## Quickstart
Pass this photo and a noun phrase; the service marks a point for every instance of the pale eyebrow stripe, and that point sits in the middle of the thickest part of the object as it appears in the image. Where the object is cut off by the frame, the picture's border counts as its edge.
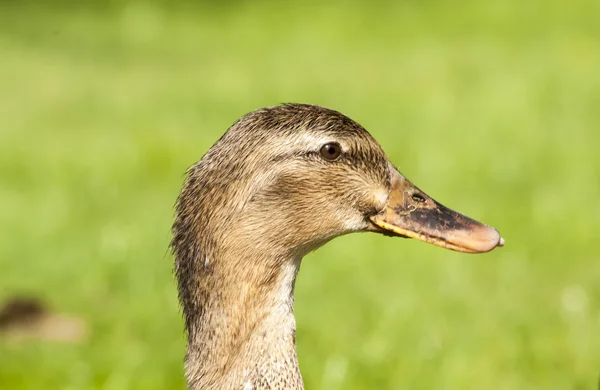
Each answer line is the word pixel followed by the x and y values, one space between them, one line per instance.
pixel 308 144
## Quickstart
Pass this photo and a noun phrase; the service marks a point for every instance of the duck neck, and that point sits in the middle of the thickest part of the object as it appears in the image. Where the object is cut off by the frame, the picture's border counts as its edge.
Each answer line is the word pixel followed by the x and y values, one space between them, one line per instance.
pixel 242 335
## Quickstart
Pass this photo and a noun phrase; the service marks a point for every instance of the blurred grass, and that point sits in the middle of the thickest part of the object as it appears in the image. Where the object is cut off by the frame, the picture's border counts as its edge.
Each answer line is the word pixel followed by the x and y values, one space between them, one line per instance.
pixel 490 107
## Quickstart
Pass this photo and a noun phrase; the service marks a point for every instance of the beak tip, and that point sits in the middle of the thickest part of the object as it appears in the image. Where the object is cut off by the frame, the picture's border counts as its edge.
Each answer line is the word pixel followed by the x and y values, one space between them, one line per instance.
pixel 484 239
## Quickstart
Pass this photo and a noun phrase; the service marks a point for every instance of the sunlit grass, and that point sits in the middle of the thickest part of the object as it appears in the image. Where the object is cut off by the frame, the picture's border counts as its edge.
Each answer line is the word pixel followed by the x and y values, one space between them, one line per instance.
pixel 492 109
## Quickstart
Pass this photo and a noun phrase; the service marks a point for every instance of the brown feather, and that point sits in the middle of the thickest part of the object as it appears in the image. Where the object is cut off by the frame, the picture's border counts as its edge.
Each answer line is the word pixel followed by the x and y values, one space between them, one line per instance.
pixel 259 200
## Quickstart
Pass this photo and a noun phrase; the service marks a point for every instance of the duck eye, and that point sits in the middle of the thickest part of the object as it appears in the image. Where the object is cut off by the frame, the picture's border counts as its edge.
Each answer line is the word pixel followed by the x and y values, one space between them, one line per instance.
pixel 331 151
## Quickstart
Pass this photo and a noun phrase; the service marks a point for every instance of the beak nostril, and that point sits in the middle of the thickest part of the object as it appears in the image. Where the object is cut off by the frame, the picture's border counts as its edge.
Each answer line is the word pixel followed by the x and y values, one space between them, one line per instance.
pixel 418 198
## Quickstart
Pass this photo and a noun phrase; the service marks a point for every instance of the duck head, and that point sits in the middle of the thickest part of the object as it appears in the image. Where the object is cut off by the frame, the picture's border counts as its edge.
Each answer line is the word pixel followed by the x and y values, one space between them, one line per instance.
pixel 294 176
pixel 284 180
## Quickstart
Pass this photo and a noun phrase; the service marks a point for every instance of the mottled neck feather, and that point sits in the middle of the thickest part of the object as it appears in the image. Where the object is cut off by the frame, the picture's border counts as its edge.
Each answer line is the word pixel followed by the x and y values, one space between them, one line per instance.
pixel 244 335
pixel 236 274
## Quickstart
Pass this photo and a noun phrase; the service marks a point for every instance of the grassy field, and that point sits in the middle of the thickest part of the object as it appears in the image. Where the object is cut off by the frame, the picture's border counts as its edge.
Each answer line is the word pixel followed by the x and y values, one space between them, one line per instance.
pixel 493 108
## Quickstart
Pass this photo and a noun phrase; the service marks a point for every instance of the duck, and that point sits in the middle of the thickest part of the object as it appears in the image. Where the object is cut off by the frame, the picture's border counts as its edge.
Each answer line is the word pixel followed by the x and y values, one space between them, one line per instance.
pixel 281 182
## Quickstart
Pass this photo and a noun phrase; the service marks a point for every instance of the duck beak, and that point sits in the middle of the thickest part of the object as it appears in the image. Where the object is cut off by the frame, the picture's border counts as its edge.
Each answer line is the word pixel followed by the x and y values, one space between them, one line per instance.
pixel 413 214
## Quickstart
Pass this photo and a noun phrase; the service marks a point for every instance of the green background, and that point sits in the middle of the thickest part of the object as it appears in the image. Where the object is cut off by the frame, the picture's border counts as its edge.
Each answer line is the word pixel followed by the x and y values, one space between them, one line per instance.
pixel 491 107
